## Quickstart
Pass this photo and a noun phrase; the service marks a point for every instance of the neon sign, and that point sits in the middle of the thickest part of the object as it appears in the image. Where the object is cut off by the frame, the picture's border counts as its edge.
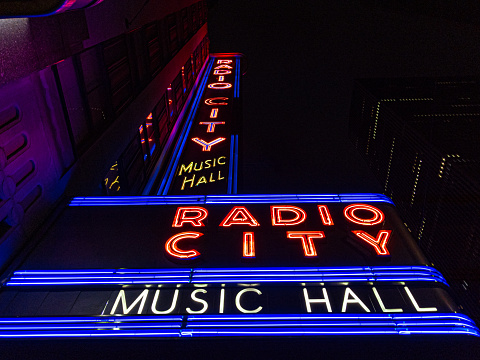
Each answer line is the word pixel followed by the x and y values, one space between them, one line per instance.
pixel 211 132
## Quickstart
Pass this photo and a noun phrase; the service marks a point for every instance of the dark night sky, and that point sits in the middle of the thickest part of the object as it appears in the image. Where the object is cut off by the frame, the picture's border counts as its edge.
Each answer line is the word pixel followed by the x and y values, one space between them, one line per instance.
pixel 303 58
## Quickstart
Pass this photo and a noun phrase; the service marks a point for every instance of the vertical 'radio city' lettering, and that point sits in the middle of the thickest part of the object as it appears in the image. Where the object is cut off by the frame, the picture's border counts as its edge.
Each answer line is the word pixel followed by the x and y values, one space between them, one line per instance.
pixel 214 101
pixel 211 125
pixel 222 72
pixel 213 113
pixel 223 67
pixel 219 86
pixel 207 146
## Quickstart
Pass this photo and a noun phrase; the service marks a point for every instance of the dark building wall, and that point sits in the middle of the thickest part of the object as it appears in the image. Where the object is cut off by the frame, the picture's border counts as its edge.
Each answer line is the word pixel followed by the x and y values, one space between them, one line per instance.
pixel 418 137
pixel 64 126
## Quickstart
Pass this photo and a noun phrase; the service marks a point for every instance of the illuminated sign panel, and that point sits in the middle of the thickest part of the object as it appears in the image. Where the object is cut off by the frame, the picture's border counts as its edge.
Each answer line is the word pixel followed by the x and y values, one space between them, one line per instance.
pixel 207 152
pixel 182 266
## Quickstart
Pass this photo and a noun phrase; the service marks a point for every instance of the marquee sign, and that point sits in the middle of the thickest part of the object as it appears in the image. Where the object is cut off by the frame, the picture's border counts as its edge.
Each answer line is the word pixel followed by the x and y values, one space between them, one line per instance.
pixel 183 266
pixel 206 155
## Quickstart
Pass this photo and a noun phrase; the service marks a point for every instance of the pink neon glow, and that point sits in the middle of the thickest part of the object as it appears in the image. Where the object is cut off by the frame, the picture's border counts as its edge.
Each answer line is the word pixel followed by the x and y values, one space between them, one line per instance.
pixel 207 146
pixel 379 243
pixel 191 214
pixel 377 218
pixel 66 5
pixel 224 61
pixel 239 215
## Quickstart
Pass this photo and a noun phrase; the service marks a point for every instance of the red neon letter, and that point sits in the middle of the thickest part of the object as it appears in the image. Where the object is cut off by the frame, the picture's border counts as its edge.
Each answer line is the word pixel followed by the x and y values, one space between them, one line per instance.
pixel 379 243
pixel 248 244
pixel 277 219
pixel 172 249
pixel 219 86
pixel 222 67
pixel 211 125
pixel 325 215
pixel 307 240
pixel 377 218
pixel 224 61
pixel 221 72
pixel 207 146
pixel 197 215
pixel 239 215
pixel 211 101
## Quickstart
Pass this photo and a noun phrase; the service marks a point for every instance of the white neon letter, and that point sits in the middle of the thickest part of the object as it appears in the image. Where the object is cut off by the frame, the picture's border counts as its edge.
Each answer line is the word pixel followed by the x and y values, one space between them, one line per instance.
pixel 355 300
pixel 172 307
pixel 382 306
pixel 325 300
pixel 121 297
pixel 194 298
pixel 237 301
pixel 222 301
pixel 414 302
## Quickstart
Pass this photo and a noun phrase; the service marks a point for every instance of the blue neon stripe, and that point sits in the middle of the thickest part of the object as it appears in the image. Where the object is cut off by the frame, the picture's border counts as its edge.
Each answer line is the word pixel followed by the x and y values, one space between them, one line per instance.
pixel 237 78
pixel 235 169
pixel 238 325
pixel 215 276
pixel 165 185
pixel 158 165
pixel 230 165
pixel 228 199
pixel 179 149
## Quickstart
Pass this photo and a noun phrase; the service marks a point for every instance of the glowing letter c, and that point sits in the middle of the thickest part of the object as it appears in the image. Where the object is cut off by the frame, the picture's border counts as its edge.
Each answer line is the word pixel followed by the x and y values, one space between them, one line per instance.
pixel 213 101
pixel 239 306
pixel 173 250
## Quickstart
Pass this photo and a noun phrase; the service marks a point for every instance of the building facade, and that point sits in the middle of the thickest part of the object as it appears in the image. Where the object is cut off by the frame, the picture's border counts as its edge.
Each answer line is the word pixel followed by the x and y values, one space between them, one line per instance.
pixel 91 106
pixel 122 218
pixel 419 138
